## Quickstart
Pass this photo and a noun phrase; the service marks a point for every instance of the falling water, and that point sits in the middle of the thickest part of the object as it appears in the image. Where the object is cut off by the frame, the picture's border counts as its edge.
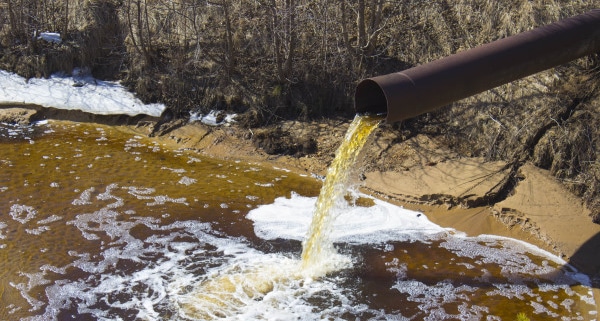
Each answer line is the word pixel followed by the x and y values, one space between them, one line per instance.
pixel 316 247
pixel 229 290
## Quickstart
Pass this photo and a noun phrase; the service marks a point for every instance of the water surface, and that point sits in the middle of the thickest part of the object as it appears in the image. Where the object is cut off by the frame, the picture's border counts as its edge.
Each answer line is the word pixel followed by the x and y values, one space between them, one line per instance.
pixel 101 224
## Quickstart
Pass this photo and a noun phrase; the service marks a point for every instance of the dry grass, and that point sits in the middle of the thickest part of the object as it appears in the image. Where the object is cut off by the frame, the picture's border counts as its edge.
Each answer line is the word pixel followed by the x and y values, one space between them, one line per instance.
pixel 428 30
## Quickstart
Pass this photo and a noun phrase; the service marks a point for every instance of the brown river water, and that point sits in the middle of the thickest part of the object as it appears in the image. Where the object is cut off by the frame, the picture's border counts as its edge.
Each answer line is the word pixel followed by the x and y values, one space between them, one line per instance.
pixel 98 223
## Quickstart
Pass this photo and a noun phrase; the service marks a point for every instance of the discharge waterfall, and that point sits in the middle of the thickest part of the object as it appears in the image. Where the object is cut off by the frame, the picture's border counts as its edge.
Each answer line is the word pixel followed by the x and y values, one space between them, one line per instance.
pixel 316 247
pixel 226 293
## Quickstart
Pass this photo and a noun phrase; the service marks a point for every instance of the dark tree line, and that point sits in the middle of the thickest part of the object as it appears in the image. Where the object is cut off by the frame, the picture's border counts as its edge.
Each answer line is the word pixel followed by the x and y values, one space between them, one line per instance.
pixel 278 58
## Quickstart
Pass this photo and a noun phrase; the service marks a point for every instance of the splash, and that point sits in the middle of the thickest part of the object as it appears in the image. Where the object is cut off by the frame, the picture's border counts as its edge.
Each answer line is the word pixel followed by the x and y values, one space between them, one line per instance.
pixel 237 289
pixel 225 293
pixel 317 249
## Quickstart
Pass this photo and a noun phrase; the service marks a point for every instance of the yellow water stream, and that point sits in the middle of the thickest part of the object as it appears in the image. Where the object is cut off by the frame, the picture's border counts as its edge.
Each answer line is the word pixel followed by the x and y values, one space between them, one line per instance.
pixel 228 291
pixel 316 247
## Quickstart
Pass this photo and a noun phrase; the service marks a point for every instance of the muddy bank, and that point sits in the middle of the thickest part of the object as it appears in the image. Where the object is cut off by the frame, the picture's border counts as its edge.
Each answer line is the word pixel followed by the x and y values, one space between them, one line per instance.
pixel 420 173
pixel 24 114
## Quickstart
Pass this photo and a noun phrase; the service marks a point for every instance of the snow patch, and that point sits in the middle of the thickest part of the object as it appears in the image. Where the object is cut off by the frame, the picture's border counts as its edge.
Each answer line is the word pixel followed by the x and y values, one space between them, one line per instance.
pixel 213 118
pixel 53 37
pixel 79 92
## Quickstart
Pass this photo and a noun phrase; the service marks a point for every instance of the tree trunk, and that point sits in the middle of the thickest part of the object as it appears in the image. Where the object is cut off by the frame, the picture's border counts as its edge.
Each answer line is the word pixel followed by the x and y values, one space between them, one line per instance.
pixel 140 33
pixel 66 22
pixel 130 26
pixel 276 41
pixel 360 20
pixel 291 37
pixel 229 46
pixel 13 23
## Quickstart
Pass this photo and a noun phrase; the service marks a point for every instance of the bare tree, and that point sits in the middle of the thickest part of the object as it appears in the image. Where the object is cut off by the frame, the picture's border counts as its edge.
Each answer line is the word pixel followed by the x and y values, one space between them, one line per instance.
pixel 230 52
pixel 65 23
pixel 284 35
pixel 139 30
pixel 369 25
pixel 15 24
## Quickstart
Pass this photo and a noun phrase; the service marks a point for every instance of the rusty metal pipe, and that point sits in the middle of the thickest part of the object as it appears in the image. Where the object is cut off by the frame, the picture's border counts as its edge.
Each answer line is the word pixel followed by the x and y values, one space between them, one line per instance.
pixel 424 88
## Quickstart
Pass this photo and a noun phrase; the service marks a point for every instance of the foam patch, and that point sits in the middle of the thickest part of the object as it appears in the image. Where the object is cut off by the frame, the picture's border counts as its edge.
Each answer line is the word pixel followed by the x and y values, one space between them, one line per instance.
pixel 289 218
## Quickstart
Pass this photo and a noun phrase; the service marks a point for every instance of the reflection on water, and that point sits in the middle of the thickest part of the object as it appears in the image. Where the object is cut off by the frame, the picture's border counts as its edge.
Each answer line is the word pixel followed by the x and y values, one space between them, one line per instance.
pixel 97 223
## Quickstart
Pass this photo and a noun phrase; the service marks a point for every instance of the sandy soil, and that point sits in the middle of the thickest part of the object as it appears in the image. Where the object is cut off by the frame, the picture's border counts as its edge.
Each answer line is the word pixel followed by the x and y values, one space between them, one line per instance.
pixel 419 174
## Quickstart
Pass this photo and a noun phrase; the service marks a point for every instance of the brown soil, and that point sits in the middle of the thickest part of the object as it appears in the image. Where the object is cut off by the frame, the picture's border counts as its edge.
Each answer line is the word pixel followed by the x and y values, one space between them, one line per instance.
pixel 468 194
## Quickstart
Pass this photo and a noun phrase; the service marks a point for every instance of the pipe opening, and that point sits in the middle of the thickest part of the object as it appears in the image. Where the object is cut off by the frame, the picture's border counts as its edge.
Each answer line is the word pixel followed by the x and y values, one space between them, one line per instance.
pixel 369 98
pixel 424 88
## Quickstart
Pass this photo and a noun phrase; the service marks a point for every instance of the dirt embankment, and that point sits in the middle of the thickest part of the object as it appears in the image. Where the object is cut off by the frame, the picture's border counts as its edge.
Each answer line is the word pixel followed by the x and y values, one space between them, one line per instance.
pixel 470 194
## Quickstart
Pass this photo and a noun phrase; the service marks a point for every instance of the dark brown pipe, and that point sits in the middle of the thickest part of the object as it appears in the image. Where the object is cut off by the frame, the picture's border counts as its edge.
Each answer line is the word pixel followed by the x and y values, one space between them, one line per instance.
pixel 424 88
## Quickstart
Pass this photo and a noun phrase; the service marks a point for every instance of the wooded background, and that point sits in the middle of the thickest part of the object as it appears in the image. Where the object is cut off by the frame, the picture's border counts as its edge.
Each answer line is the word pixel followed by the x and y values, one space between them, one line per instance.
pixel 283 58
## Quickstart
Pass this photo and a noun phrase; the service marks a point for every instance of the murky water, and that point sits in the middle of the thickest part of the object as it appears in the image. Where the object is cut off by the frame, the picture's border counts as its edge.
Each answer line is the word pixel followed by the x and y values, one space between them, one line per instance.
pixel 101 224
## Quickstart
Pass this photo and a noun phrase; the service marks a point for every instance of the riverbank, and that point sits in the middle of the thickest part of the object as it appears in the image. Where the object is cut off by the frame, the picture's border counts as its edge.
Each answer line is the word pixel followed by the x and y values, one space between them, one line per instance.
pixel 452 190
pixel 419 173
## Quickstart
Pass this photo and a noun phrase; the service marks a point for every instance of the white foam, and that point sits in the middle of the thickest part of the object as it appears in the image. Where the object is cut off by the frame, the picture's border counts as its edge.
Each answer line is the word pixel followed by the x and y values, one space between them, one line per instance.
pixel 187 181
pixel 85 197
pixel 264 184
pixel 38 230
pixel 163 199
pixel 22 213
pixel 174 170
pixel 509 254
pixel 2 226
pixel 107 195
pixel 180 260
pixel 35 279
pixel 192 160
pixel 289 218
pixel 257 286
pixel 141 192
